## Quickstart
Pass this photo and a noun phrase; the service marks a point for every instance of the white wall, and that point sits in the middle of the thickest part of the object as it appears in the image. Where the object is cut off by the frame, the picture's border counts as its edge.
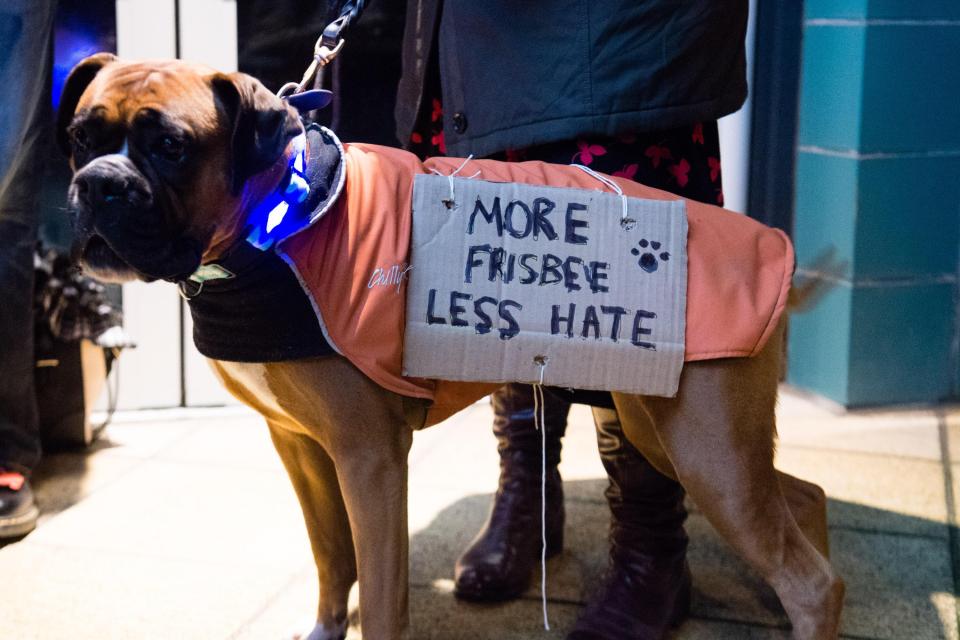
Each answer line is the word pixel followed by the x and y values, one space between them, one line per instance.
pixel 208 32
pixel 145 29
pixel 150 375
pixel 735 138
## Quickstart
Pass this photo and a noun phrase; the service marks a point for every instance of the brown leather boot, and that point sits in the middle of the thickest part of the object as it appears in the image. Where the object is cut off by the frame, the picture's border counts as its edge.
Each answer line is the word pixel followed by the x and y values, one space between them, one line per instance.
pixel 646 589
pixel 499 562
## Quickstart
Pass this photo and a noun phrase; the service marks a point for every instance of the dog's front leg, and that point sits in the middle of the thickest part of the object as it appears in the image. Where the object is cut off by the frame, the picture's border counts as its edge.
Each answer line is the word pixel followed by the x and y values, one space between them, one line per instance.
pixel 367 435
pixel 373 477
pixel 314 478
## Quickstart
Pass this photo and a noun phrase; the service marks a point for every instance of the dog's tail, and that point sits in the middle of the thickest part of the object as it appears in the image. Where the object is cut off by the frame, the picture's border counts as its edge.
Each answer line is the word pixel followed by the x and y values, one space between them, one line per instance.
pixel 812 282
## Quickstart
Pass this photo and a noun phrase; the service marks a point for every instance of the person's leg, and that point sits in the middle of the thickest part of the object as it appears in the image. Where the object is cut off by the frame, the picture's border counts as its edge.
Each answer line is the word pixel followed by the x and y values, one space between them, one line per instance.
pixel 646 588
pixel 25 27
pixel 685 161
pixel 499 562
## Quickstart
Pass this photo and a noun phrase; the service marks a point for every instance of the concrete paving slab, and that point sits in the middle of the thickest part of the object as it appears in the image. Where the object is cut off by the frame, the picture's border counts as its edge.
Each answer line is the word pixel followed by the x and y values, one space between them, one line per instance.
pixel 162 535
pixel 903 433
pixel 460 453
pixel 435 548
pixel 878 606
pixel 877 493
pixel 436 615
pixel 950 422
pixel 243 443
pixel 87 594
pixel 291 609
pixel 897 586
pixel 200 513
pixel 883 601
pixel 697 629
pixel 61 480
pixel 137 439
pixel 884 598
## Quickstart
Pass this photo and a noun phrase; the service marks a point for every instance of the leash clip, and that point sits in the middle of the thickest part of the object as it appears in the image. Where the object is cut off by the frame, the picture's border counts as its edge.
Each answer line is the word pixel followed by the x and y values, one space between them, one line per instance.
pixel 322 56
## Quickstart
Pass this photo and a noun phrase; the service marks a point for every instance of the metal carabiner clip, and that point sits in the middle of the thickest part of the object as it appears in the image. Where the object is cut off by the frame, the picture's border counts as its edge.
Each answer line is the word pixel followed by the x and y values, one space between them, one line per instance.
pixel 322 56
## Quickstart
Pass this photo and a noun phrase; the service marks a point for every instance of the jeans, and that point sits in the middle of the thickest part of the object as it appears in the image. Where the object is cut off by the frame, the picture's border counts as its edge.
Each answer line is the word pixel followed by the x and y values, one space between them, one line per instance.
pixel 25 123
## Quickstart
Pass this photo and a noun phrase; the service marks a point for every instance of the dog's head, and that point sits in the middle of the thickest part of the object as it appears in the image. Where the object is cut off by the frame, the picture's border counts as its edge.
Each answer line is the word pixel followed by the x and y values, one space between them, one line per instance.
pixel 167 158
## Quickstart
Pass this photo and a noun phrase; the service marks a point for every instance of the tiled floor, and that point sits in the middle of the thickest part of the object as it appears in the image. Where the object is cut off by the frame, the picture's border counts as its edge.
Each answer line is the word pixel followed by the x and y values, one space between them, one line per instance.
pixel 181 525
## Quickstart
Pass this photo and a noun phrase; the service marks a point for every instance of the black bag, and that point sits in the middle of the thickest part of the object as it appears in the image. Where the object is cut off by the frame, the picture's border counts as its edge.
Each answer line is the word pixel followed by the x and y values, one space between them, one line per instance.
pixel 72 315
pixel 69 378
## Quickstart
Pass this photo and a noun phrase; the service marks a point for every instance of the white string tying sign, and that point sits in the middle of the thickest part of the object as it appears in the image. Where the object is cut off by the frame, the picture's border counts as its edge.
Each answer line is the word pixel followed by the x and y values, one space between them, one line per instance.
pixel 451 201
pixel 538 422
pixel 625 221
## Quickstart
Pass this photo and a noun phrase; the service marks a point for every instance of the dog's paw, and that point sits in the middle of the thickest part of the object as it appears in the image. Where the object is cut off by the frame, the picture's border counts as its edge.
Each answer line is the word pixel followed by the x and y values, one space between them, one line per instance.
pixel 648 261
pixel 320 632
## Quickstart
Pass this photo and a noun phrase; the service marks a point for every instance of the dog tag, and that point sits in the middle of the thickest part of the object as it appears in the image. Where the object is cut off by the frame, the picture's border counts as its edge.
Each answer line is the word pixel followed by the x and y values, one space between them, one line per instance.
pixel 208 272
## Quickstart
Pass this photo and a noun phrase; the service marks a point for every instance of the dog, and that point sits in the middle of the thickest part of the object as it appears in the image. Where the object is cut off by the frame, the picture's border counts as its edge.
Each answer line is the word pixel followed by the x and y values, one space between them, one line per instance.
pixel 169 161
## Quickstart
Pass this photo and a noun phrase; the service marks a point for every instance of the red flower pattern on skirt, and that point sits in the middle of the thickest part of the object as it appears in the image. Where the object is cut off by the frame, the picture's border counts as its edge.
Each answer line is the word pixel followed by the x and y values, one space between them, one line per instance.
pixel 698 133
pixel 680 172
pixel 714 164
pixel 656 153
pixel 587 151
pixel 684 160
pixel 439 142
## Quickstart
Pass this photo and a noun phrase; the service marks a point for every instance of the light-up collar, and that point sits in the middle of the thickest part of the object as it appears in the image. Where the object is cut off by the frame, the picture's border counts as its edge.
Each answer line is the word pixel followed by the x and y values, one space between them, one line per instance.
pixel 290 208
pixel 271 219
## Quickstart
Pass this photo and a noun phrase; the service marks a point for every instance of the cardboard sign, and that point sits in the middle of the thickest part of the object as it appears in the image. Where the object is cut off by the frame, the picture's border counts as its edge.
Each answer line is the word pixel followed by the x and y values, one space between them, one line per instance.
pixel 511 281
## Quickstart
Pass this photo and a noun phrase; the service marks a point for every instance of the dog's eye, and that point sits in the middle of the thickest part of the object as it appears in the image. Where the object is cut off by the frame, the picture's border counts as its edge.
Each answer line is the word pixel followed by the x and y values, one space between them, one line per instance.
pixel 168 148
pixel 79 140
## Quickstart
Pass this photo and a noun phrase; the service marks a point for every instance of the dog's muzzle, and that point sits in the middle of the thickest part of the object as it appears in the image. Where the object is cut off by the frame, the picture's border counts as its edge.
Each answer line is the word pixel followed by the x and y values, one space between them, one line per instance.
pixel 120 231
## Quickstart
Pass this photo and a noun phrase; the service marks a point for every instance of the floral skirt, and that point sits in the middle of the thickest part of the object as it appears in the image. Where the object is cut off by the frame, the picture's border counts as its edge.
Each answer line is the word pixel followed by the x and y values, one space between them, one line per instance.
pixel 684 160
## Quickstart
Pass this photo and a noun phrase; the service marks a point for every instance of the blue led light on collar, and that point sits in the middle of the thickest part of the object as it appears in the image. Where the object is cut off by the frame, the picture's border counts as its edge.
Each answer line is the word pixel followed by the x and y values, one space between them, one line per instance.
pixel 270 220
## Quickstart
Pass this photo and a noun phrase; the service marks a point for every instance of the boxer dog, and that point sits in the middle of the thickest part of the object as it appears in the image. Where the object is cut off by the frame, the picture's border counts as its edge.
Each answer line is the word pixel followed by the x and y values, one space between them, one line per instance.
pixel 170 159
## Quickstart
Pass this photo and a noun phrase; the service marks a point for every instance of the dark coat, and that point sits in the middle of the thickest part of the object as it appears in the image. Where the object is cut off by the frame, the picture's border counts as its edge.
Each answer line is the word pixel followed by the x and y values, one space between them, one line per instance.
pixel 518 73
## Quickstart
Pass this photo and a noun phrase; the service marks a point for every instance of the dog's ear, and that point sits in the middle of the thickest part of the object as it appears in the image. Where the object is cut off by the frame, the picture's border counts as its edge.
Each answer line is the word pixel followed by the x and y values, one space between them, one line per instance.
pixel 78 80
pixel 262 125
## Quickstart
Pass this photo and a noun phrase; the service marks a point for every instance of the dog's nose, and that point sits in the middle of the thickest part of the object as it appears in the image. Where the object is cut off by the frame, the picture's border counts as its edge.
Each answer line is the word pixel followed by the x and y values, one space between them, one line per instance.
pixel 106 181
pixel 94 189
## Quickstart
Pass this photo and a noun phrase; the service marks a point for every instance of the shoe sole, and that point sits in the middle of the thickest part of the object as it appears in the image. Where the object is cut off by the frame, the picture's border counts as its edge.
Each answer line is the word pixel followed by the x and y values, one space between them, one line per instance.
pixel 21 525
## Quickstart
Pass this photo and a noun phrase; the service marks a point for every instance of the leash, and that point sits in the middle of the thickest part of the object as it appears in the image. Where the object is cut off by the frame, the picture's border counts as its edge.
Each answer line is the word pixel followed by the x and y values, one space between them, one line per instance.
pixel 325 50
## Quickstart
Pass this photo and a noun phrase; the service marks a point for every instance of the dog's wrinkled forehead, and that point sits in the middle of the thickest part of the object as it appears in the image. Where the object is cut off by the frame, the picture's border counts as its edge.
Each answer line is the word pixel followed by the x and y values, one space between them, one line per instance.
pixel 121 93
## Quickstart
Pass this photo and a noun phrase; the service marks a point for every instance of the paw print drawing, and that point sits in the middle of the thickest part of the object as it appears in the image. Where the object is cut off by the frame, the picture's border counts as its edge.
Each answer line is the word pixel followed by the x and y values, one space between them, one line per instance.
pixel 648 261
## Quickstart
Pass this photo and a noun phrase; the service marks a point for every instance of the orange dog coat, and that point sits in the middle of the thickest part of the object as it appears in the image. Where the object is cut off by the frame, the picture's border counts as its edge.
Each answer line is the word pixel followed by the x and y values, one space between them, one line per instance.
pixel 738 270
